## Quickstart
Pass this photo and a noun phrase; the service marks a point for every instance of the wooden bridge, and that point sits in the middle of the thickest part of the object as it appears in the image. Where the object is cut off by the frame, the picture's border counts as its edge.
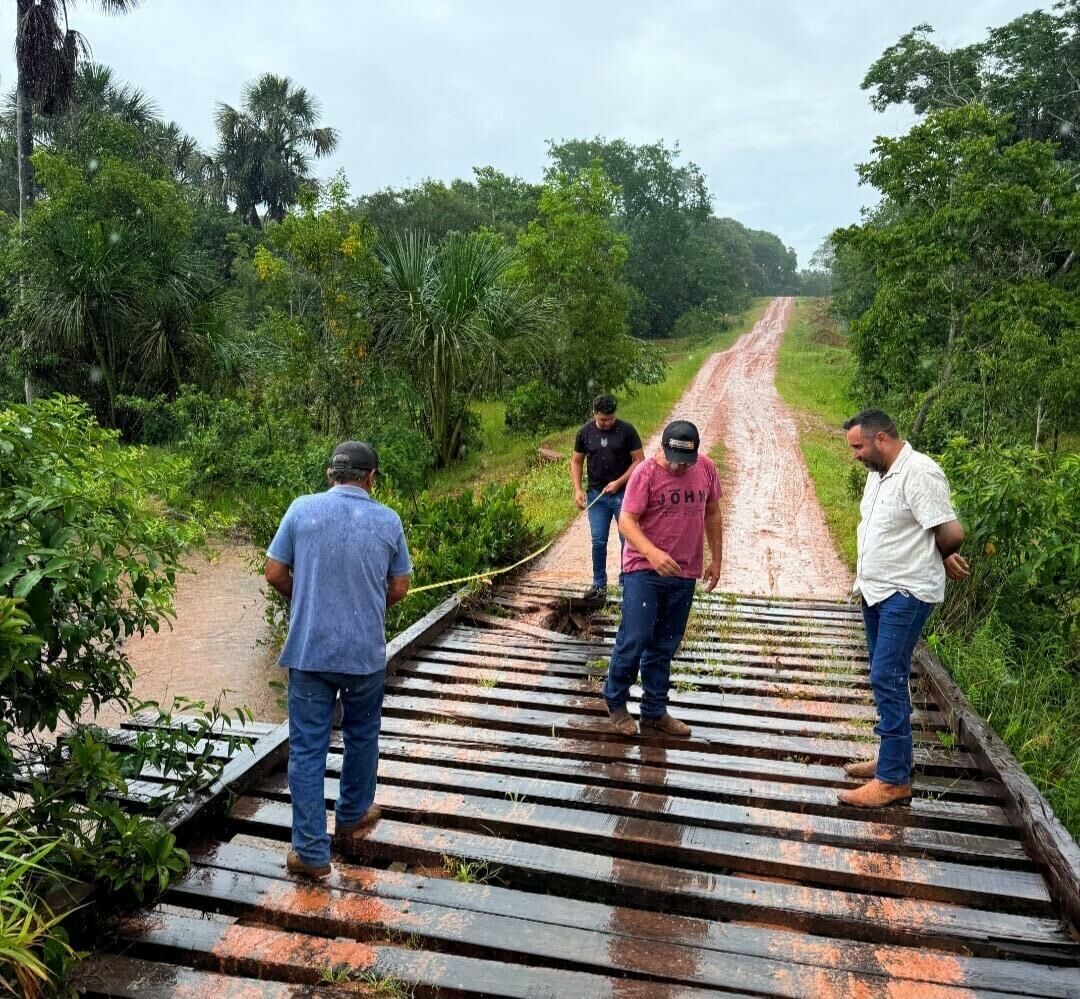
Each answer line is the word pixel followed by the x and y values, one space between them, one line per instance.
pixel 527 850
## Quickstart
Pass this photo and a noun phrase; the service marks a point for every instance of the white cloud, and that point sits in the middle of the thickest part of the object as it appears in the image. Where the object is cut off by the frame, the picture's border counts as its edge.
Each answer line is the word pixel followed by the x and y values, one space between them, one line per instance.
pixel 764 97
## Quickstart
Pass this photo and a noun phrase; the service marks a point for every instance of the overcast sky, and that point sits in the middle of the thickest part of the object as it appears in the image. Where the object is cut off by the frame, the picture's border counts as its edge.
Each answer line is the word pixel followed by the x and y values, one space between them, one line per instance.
pixel 763 96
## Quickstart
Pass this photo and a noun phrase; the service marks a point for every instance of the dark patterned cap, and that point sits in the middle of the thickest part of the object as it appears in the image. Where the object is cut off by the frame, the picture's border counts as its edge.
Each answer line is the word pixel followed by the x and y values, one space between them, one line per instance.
pixel 681 442
pixel 354 456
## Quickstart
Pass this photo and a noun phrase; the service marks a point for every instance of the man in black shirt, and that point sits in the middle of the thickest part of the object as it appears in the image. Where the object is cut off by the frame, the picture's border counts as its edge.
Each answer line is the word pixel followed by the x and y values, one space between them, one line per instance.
pixel 613 449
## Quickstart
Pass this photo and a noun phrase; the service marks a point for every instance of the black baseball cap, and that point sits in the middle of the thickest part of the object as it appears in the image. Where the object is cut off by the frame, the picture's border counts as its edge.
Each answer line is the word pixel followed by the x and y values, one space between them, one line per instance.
pixel 354 456
pixel 681 442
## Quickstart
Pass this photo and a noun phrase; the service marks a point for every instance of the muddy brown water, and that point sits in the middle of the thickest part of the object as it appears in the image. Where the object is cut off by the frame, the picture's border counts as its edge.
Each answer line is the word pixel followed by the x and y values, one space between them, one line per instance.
pixel 214 642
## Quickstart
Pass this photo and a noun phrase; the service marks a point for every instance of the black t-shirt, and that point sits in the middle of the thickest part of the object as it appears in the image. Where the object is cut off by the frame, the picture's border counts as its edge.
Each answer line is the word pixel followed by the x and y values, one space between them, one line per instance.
pixel 607 452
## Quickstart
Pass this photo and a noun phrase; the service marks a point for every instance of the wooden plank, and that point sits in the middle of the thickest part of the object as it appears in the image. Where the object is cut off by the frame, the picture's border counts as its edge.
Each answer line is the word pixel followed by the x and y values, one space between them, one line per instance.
pixel 780 702
pixel 469 639
pixel 945 792
pixel 591 703
pixel 704 738
pixel 669 888
pixel 419 633
pixel 714 849
pixel 709 627
pixel 298 957
pixel 892 964
pixel 759 682
pixel 123 977
pixel 1046 839
pixel 330 911
pixel 472 776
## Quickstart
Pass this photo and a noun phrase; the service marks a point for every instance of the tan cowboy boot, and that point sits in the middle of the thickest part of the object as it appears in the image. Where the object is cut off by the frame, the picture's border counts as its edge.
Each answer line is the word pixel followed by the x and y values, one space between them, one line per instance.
pixel 349 837
pixel 621 720
pixel 862 768
pixel 297 866
pixel 666 725
pixel 876 794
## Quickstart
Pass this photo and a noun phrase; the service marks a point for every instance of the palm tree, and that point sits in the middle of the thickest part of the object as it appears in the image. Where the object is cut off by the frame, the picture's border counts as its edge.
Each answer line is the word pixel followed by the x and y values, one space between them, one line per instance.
pixel 46 56
pixel 448 317
pixel 267 145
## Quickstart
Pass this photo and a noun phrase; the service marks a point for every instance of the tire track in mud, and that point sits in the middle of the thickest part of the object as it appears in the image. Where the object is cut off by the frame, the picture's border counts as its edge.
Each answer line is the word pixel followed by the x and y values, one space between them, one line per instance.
pixel 775 537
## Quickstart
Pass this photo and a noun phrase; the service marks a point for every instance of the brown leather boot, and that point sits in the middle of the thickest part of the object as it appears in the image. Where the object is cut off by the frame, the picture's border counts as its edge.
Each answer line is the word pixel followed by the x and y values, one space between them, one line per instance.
pixel 876 794
pixel 296 866
pixel 621 720
pixel 862 768
pixel 351 835
pixel 665 724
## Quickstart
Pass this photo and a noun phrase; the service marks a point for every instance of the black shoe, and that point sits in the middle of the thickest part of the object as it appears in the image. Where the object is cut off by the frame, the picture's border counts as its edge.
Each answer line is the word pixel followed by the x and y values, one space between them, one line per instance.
pixel 596 592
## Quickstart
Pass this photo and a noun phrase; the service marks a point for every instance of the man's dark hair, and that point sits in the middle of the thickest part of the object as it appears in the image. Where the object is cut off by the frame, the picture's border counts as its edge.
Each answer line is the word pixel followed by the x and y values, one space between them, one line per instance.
pixel 873 421
pixel 603 404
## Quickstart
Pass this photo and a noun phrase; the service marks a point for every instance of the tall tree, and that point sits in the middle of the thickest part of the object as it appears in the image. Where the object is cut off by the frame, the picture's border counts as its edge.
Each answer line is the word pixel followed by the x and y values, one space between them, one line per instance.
pixel 573 256
pixel 449 317
pixel 267 144
pixel 1027 68
pixel 46 56
pixel 974 312
pixel 659 204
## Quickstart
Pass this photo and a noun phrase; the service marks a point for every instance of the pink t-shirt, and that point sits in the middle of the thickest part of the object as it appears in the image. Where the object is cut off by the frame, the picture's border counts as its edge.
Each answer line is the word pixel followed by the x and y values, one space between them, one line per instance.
pixel 671 512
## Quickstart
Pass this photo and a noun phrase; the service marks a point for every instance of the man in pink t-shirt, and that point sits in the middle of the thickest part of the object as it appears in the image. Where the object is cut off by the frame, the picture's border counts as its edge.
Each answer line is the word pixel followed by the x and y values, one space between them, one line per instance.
pixel 672 502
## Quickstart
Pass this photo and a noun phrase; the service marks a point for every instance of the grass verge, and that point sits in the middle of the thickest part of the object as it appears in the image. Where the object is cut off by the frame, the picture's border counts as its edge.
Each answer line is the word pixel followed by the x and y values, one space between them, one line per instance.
pixel 812 376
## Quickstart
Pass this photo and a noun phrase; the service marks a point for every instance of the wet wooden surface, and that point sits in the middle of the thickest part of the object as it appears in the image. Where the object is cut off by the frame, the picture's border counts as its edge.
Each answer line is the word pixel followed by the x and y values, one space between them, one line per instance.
pixel 527 849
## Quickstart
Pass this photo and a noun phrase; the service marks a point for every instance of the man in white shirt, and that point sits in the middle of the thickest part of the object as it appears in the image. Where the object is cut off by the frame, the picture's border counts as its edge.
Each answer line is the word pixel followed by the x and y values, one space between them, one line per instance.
pixel 908 542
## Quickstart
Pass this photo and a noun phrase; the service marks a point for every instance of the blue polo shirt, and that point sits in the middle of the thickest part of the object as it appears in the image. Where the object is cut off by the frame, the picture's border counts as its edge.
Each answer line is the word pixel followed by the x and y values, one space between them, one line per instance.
pixel 342 546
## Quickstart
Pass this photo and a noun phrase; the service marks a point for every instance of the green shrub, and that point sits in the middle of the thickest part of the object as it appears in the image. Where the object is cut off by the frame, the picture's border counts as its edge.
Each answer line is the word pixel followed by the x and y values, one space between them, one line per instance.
pixel 535 408
pixel 700 323
pixel 457 536
pixel 651 367
pixel 1021 511
pixel 1030 692
pixel 86 561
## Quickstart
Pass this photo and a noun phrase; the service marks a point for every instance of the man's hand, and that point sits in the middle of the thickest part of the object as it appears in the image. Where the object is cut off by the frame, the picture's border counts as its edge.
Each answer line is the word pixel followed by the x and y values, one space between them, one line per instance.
pixel 956 567
pixel 711 576
pixel 579 499
pixel 612 488
pixel 662 562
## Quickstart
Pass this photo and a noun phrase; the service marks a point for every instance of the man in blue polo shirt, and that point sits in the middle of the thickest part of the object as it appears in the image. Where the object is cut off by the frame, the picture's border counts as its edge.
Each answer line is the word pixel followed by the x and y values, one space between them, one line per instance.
pixel 340 559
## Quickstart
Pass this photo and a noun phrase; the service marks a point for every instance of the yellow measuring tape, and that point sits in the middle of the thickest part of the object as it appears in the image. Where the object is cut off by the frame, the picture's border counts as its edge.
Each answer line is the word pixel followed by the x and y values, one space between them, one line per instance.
pixel 493 572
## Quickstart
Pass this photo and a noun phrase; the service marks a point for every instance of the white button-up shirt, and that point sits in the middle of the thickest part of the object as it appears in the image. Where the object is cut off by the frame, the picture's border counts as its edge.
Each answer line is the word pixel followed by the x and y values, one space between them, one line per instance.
pixel 897 549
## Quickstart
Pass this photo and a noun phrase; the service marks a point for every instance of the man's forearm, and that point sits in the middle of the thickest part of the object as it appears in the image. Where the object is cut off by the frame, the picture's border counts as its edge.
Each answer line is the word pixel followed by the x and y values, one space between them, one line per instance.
pixel 948 538
pixel 575 473
pixel 714 533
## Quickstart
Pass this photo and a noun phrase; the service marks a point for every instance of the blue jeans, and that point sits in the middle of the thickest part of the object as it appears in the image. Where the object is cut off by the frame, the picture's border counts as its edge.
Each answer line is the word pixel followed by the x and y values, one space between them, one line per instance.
pixel 311 710
pixel 654 615
pixel 892 629
pixel 600 516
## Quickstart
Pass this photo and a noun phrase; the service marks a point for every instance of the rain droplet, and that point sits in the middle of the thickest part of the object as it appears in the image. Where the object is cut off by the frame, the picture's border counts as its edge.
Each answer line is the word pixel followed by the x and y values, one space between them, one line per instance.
pixel 114 237
pixel 95 374
pixel 92 164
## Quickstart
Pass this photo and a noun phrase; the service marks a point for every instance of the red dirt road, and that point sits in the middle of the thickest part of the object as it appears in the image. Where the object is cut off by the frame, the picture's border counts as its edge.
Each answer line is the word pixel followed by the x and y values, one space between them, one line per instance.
pixel 775 537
